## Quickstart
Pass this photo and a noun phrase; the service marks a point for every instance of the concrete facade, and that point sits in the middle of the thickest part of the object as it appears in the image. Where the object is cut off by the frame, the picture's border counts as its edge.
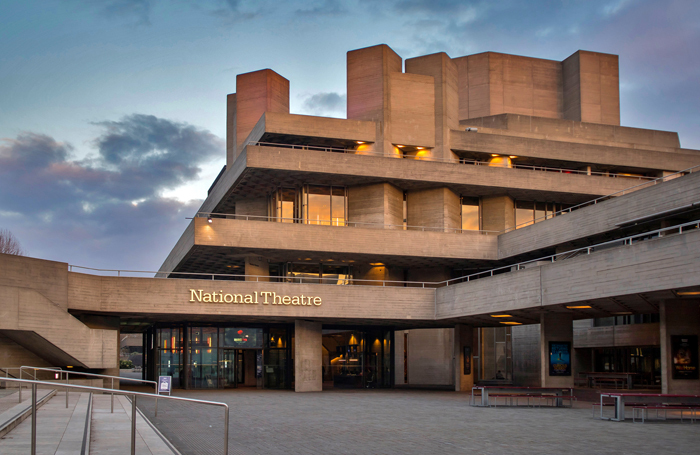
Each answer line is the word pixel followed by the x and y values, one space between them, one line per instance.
pixel 443 169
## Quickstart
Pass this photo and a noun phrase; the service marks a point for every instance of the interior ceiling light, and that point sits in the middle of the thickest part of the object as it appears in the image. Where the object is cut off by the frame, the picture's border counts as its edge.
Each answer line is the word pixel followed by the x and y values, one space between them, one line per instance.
pixel 376 263
pixel 209 219
pixel 688 292
pixel 495 154
pixel 513 156
pixel 501 316
pixel 578 307
pixel 420 148
pixel 511 323
pixel 359 142
pixel 400 146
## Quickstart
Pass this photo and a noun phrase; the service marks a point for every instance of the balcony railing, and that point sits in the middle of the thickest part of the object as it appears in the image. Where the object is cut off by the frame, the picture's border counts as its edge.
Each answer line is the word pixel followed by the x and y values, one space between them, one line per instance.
pixel 457 161
pixel 626 241
pixel 337 222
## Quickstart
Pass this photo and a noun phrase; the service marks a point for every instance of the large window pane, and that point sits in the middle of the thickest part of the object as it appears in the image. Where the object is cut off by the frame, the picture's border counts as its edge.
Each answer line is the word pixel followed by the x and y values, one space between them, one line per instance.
pixel 470 214
pixel 318 205
pixel 524 213
pixel 338 206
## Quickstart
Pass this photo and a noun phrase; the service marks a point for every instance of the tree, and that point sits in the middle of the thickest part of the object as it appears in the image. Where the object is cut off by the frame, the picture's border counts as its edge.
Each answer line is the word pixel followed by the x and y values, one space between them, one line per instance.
pixel 9 243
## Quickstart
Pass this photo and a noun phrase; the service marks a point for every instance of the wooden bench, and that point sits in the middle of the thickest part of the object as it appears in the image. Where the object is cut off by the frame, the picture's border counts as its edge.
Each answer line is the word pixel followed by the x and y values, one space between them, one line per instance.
pixel 642 410
pixel 536 398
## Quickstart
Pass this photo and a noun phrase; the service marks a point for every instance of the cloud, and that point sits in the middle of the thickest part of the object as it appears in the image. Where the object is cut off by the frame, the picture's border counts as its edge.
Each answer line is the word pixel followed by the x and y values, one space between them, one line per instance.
pixel 325 8
pixel 140 10
pixel 107 208
pixel 328 103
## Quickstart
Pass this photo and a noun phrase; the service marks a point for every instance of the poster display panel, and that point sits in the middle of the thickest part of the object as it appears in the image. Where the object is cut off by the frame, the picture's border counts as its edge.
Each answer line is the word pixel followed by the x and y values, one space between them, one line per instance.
pixel 684 352
pixel 560 358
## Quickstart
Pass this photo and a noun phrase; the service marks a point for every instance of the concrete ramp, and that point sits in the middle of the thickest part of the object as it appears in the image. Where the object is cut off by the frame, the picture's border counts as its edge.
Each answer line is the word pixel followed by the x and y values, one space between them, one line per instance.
pixel 49 331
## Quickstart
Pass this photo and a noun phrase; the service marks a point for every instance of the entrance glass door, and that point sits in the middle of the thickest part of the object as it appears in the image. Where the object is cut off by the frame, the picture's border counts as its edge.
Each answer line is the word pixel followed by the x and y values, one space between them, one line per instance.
pixel 228 368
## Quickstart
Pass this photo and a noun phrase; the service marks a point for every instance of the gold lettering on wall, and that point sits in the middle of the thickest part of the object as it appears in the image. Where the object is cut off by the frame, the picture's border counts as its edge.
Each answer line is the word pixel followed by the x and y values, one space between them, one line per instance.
pixel 256 298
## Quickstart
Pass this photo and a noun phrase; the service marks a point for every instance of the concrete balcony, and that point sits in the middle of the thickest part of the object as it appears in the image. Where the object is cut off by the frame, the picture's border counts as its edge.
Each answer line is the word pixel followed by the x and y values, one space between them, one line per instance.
pixel 287 242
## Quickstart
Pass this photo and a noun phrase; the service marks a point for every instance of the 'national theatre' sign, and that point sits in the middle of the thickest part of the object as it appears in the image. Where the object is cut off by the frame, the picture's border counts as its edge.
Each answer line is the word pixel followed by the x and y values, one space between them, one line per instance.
pixel 256 298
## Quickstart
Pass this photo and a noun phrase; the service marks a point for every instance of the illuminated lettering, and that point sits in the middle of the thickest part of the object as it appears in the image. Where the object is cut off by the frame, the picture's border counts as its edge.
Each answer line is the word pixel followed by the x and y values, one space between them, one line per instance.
pixel 199 296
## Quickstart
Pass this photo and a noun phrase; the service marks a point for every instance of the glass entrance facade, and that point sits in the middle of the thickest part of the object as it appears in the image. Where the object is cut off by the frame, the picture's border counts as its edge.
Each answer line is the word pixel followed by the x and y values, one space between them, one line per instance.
pixel 201 356
pixel 219 357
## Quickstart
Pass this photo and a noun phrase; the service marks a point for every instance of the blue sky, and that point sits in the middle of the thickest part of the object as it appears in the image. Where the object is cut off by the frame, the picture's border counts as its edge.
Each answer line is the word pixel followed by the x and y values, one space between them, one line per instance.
pixel 112 112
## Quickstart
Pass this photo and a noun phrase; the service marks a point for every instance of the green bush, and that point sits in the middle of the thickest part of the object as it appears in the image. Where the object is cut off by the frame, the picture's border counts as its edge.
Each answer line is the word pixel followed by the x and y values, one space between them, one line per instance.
pixel 126 364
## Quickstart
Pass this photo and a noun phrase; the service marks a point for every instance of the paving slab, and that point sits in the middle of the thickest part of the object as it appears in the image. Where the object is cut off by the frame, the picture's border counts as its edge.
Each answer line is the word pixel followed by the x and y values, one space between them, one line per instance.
pixel 111 432
pixel 403 422
pixel 52 421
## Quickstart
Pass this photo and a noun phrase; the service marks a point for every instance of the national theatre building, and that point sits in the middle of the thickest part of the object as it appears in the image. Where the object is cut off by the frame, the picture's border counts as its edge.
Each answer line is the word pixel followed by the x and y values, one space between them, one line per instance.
pixel 481 219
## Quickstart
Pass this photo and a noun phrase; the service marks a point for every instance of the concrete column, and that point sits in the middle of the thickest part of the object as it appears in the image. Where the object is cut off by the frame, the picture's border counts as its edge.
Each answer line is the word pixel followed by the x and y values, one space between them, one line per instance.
pixel 463 337
pixel 308 356
pixel 497 213
pixel 368 90
pixel 257 266
pixel 436 208
pixel 555 328
pixel 380 205
pixel 444 72
pixel 231 129
pixel 678 317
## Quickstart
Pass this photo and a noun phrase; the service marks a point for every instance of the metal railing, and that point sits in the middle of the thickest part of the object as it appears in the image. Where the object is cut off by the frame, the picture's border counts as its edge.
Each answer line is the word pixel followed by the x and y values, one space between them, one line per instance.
pixel 452 160
pixel 626 241
pixel 61 372
pixel 653 182
pixel 692 225
pixel 337 222
pixel 134 395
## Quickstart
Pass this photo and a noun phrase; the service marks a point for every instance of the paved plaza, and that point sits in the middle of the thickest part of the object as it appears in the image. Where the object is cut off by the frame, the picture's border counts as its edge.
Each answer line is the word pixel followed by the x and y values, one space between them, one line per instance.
pixel 404 421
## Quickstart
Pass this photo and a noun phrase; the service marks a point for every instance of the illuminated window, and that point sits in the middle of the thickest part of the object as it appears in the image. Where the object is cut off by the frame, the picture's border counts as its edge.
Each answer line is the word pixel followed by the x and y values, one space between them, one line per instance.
pixel 470 214
pixel 325 205
pixel 285 205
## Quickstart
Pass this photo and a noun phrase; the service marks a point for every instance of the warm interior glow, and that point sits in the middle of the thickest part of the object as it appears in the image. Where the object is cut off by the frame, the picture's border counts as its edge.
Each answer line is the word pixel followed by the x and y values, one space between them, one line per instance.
pixel 688 292
pixel 375 264
pixel 363 148
pixel 511 323
pixel 501 316
pixel 500 161
pixel 359 142
pixel 578 307
pixel 513 156
pixel 400 146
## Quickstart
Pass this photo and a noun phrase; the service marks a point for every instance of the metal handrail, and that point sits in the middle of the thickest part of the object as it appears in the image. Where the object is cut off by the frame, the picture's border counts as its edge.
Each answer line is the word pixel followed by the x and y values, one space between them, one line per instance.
pixel 606 197
pixel 451 160
pixel 587 249
pixel 337 222
pixel 430 284
pixel 134 395
pixel 95 375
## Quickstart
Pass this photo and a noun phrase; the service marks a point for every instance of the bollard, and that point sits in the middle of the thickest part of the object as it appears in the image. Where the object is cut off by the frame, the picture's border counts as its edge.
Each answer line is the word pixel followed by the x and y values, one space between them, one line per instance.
pixel 33 419
pixel 133 425
pixel 226 430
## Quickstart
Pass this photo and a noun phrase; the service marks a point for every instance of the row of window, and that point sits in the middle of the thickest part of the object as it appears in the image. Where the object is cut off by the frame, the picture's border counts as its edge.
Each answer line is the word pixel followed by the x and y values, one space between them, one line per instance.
pixel 328 205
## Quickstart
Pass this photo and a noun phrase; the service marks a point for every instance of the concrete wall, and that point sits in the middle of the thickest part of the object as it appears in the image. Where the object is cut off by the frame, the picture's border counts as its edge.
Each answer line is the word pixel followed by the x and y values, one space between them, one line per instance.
pixel 497 213
pixel 435 207
pixel 430 357
pixel 602 217
pixel 256 93
pixel 678 317
pixel 444 73
pixel 380 204
pixel 254 206
pixel 412 104
pixel 617 336
pixel 526 355
pixel 591 86
pixel 308 356
pixel 555 328
pixel 332 239
pixel 575 131
pixel 231 144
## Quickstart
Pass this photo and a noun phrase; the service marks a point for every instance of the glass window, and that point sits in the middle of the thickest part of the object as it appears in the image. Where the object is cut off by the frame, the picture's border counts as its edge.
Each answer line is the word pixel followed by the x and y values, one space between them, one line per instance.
pixel 540 211
pixel 325 205
pixel 285 205
pixel 203 352
pixel 338 274
pixel 470 214
pixel 240 337
pixel 338 206
pixel 524 213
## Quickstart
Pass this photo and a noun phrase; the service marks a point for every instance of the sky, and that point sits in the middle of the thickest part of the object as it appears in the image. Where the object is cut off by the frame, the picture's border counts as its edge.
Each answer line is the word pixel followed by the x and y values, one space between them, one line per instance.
pixel 113 112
